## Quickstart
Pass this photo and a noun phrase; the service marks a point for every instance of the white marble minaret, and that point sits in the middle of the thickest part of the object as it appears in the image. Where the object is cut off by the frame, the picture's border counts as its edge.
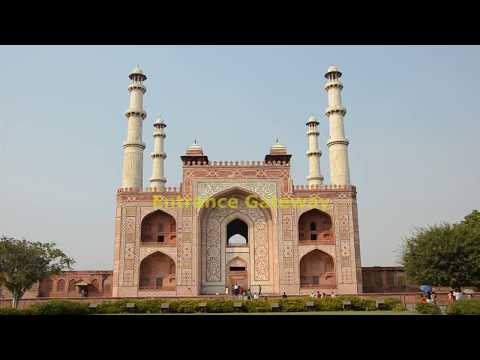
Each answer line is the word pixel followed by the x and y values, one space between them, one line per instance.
pixel 158 180
pixel 132 176
pixel 313 153
pixel 337 143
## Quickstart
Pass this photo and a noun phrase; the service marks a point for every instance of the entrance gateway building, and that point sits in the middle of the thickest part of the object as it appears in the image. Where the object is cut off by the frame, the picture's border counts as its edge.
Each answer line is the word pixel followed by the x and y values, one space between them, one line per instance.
pixel 241 222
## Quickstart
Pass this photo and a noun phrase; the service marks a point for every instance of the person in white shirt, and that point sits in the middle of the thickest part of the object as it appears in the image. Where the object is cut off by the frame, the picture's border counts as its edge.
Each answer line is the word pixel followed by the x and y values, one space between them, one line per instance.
pixel 458 294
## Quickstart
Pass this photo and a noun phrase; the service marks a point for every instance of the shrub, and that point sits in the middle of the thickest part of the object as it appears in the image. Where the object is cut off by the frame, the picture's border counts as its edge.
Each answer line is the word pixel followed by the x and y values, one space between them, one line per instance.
pixel 328 304
pixel 112 307
pixel 11 311
pixel 293 305
pixel 391 304
pixel 184 306
pixel 399 307
pixel 428 309
pixel 359 303
pixel 220 306
pixel 148 306
pixel 58 307
pixel 257 305
pixel 464 307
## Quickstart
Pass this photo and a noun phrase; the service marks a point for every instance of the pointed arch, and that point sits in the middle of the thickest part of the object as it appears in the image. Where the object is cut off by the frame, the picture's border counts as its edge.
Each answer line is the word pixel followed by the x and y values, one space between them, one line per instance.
pixel 157 271
pixel 159 227
pixel 237 233
pixel 317 269
pixel 71 286
pixel 61 285
pixel 315 226
pixel 46 287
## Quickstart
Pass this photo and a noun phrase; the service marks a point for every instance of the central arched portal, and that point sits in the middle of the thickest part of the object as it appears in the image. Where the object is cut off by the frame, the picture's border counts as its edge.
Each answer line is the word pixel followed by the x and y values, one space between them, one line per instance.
pixel 236 244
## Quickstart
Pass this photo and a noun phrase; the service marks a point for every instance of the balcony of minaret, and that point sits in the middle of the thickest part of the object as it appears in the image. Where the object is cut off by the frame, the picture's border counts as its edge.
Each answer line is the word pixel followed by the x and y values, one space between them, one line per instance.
pixel 335 109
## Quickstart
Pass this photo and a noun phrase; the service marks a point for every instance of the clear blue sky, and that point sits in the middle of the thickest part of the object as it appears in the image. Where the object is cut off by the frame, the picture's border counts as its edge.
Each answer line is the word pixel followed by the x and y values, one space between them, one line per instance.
pixel 413 123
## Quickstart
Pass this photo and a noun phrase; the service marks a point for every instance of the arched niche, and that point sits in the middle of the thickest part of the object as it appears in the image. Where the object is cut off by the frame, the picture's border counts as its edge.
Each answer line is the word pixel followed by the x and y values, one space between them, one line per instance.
pixel 160 228
pixel 317 270
pixel 315 226
pixel 157 271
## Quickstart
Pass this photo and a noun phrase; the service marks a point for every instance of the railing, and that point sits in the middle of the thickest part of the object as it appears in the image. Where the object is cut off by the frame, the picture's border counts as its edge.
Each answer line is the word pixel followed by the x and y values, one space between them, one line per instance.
pixel 157 244
pixel 316 242
pixel 236 163
pixel 148 189
pixel 322 187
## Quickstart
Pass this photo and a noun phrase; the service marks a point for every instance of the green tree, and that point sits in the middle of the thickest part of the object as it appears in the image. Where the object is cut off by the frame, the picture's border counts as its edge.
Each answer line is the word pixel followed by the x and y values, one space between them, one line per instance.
pixel 23 263
pixel 445 255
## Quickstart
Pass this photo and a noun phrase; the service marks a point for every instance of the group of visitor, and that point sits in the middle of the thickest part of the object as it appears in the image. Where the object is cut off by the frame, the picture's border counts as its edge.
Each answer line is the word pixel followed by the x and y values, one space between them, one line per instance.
pixel 429 298
pixel 239 291
pixel 321 295
pixel 456 294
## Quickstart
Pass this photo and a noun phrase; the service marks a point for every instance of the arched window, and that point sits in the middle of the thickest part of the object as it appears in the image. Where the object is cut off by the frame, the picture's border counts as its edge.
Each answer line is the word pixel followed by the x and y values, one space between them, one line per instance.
pixel 107 285
pixel 61 285
pixel 159 227
pixel 71 285
pixel 315 225
pixel 237 233
pixel 93 288
pixel 46 287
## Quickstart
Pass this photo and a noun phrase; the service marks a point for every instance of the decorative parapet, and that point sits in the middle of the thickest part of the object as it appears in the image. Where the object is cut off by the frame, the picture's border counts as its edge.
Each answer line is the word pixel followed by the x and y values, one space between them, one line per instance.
pixel 323 187
pixel 168 190
pixel 236 163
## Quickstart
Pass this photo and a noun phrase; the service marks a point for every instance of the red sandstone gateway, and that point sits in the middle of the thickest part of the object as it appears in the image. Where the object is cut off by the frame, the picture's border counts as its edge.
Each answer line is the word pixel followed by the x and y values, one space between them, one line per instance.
pixel 189 251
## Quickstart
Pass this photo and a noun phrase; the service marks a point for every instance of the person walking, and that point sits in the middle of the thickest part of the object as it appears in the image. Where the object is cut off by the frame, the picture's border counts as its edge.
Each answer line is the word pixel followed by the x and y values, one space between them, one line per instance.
pixel 259 290
pixel 450 297
pixel 458 294
pixel 284 295
pixel 429 299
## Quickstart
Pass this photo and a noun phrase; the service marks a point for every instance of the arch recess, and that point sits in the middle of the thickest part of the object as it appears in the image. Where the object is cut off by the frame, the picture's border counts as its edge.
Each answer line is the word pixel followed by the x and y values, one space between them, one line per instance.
pixel 157 271
pixel 315 226
pixel 317 270
pixel 160 228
